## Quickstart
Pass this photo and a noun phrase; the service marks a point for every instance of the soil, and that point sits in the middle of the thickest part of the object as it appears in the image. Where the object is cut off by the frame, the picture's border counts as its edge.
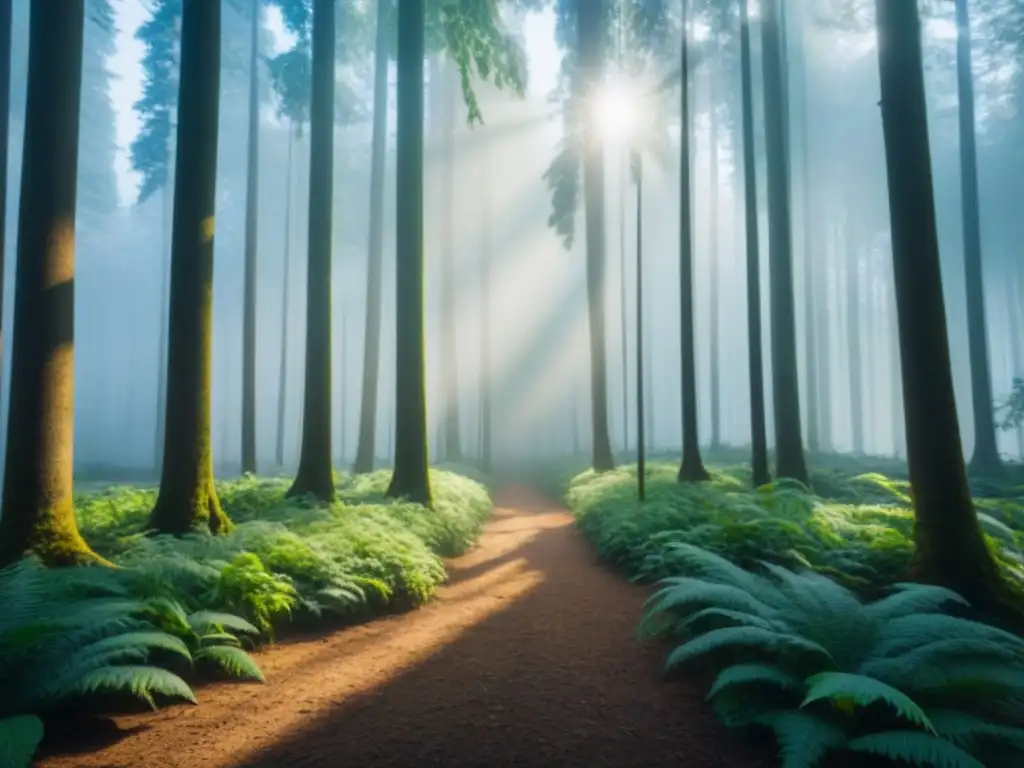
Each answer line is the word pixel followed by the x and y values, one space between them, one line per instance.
pixel 527 657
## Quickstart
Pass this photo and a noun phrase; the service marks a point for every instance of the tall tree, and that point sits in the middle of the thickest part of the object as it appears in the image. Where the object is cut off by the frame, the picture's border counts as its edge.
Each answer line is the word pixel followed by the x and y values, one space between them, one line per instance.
pixel 486 393
pixel 411 477
pixel 789 449
pixel 985 460
pixel 758 438
pixel 713 266
pixel 188 497
pixel 282 376
pixel 315 475
pixel 949 545
pixel 5 122
pixel 38 513
pixel 449 352
pixel 692 467
pixel 590 21
pixel 252 201
pixel 366 449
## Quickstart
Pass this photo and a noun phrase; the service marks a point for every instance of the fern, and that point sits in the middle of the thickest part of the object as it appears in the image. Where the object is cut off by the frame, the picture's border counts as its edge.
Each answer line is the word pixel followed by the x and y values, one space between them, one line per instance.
pixel 19 739
pixel 842 686
pixel 915 748
pixel 748 674
pixel 804 739
pixel 232 660
pixel 139 681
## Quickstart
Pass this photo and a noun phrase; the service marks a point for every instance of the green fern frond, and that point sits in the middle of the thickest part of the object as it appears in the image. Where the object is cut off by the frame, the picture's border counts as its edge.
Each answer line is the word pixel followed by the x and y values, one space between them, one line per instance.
pixel 232 660
pixel 753 638
pixel 685 592
pixel 139 681
pixel 843 686
pixel 730 618
pixel 203 621
pixel 916 748
pixel 912 598
pixel 747 674
pixel 716 568
pixel 901 634
pixel 219 638
pixel 965 729
pixel 804 737
pixel 19 740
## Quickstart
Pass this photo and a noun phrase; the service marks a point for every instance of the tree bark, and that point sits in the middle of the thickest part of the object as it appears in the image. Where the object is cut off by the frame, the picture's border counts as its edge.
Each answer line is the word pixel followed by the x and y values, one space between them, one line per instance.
pixel 851 240
pixel 411 478
pixel 375 256
pixel 759 440
pixel 590 30
pixel 315 475
pixel 252 202
pixel 789 450
pixel 5 123
pixel 691 469
pixel 282 376
pixel 985 460
pixel 949 546
pixel 187 497
pixel 38 513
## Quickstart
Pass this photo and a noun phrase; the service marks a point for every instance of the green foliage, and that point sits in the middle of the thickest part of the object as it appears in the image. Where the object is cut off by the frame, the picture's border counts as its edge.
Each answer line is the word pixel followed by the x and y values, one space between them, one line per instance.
pixel 858 531
pixel 72 633
pixel 803 656
pixel 361 555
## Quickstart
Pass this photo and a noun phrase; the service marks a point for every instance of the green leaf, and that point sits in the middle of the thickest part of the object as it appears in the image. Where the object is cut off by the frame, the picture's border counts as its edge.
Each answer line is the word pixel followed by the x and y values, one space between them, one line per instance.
pixel 234 661
pixel 804 737
pixel 203 621
pixel 838 686
pixel 19 739
pixel 139 681
pixel 744 637
pixel 746 674
pixel 916 748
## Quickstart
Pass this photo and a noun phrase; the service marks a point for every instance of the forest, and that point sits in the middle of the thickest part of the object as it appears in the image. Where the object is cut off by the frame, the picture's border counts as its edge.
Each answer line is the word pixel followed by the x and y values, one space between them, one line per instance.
pixel 511 383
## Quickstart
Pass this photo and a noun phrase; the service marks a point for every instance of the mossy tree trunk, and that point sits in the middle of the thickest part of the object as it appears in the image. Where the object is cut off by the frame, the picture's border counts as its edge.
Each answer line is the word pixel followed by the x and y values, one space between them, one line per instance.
pixel 759 440
pixel 789 449
pixel 985 460
pixel 187 497
pixel 315 475
pixel 410 478
pixel 950 548
pixel 38 515
pixel 692 467
pixel 365 451
pixel 591 29
pixel 252 202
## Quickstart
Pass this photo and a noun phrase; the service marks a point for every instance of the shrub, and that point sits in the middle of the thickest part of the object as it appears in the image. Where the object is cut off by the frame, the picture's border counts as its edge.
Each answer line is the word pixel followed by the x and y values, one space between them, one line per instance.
pixel 78 632
pixel 803 656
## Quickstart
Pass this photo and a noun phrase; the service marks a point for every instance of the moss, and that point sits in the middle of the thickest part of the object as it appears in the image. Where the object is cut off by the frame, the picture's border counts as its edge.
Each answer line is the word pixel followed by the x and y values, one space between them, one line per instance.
pixel 53 537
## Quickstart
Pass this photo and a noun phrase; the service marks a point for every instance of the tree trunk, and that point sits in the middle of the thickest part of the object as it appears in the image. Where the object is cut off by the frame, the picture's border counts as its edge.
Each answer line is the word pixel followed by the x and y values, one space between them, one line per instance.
pixel 187 497
pixel 590 30
pixel 315 475
pixel 252 202
pixel 167 225
pixel 691 469
pixel 985 460
pixel 38 513
pixel 623 186
pixel 1016 352
pixel 375 257
pixel 949 545
pixel 411 478
pixel 641 459
pixel 852 242
pixel 789 450
pixel 486 404
pixel 282 376
pixel 758 438
pixel 713 330
pixel 343 394
pixel 449 342
pixel 822 331
pixel 5 122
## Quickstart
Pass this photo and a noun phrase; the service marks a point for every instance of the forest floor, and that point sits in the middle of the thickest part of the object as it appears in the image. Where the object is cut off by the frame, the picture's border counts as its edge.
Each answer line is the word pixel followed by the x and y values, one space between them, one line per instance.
pixel 526 657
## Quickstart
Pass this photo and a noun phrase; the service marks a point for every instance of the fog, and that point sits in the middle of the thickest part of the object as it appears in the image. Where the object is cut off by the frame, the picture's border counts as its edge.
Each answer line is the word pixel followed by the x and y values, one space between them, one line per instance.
pixel 487 198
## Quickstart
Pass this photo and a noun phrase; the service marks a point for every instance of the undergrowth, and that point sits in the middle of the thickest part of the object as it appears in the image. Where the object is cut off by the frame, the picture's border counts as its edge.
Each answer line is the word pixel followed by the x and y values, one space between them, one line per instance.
pixel 856 529
pixel 293 558
pixel 896 679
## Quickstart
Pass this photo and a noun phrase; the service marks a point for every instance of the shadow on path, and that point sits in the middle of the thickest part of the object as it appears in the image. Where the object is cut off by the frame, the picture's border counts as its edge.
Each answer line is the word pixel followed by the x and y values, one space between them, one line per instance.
pixel 528 657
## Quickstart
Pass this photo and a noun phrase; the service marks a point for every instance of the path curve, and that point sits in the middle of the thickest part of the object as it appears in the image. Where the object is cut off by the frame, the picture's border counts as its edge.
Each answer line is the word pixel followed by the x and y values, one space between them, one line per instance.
pixel 527 657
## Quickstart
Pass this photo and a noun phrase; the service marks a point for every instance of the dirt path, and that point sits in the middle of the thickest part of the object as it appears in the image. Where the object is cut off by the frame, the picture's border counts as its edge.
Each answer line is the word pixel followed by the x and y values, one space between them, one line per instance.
pixel 527 658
